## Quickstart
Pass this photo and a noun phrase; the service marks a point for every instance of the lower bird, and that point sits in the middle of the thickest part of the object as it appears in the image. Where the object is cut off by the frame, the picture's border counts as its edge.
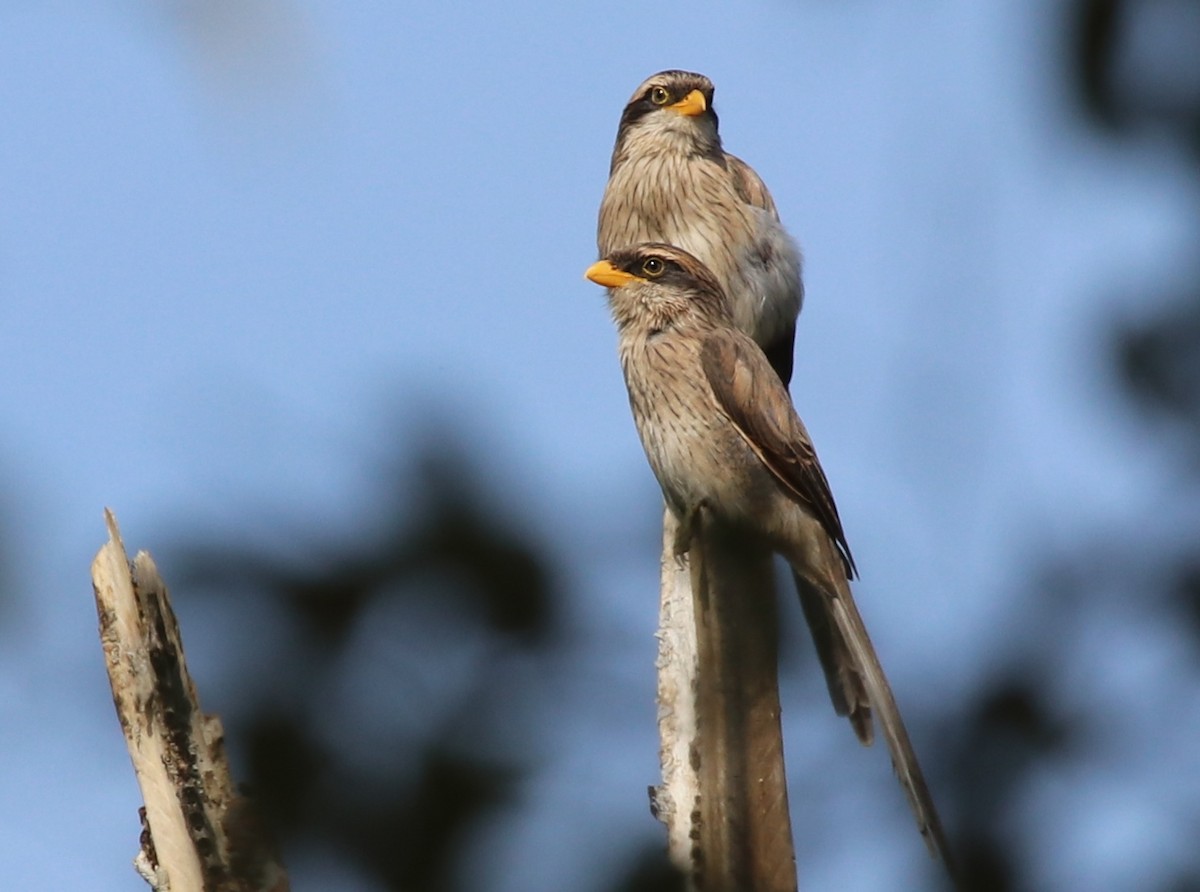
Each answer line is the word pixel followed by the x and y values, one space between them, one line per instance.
pixel 725 443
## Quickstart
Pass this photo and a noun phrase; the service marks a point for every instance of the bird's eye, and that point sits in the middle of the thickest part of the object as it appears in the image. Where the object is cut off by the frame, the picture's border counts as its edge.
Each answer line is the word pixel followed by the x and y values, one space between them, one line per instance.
pixel 659 95
pixel 653 267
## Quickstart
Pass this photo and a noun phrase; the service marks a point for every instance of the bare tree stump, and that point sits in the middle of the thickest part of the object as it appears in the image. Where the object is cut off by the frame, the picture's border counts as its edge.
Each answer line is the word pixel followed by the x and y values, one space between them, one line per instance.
pixel 199 834
pixel 723 797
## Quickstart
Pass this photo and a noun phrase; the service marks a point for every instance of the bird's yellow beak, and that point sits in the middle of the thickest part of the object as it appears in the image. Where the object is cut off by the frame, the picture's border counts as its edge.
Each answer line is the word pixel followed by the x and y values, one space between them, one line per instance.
pixel 604 273
pixel 691 105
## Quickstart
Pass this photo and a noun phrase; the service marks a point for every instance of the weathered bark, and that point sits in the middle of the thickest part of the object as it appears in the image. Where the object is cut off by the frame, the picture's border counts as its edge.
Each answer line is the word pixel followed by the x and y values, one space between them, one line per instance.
pixel 724 792
pixel 199 834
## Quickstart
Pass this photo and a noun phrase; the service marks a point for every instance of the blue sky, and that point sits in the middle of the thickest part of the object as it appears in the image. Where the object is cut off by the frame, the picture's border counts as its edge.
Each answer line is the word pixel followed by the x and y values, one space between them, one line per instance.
pixel 239 241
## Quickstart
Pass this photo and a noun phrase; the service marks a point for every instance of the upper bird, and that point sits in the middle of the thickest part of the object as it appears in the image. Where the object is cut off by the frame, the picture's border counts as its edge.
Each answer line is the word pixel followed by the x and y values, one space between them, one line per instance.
pixel 670 181
pixel 726 444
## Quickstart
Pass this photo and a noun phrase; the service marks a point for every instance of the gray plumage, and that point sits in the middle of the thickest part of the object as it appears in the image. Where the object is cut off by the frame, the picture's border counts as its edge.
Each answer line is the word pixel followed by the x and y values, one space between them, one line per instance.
pixel 670 181
pixel 723 438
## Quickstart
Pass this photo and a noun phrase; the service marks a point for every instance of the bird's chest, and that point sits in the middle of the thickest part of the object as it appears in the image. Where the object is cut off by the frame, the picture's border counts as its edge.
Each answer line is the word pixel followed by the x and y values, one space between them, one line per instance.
pixel 691 203
pixel 687 202
pixel 693 451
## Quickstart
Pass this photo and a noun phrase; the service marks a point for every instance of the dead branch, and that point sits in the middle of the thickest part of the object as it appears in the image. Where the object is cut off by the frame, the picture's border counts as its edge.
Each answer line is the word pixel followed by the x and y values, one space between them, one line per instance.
pixel 199 834
pixel 723 797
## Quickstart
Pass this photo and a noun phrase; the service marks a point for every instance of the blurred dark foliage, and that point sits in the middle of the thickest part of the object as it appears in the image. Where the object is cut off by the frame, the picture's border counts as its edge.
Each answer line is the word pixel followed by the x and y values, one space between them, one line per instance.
pixel 1130 86
pixel 406 821
pixel 991 748
pixel 448 568
pixel 405 817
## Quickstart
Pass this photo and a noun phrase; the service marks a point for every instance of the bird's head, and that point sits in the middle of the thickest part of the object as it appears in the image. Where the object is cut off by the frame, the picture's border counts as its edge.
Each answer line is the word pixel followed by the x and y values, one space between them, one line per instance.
pixel 654 287
pixel 671 111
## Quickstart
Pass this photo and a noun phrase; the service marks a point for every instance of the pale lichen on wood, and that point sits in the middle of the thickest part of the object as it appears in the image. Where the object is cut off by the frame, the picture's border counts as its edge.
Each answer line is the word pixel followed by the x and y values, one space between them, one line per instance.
pixel 675 801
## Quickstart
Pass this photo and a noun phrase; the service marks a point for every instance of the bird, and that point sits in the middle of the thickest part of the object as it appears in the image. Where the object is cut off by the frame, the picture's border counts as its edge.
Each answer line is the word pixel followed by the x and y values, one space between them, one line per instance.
pixel 670 181
pixel 727 446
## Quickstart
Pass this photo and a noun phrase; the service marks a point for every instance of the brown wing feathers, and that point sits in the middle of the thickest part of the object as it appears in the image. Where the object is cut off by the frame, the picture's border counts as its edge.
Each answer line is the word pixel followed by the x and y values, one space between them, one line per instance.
pixel 756 402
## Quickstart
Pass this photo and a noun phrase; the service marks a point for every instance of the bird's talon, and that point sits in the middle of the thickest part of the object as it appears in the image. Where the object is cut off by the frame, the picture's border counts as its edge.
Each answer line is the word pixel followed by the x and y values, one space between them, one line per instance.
pixel 685 532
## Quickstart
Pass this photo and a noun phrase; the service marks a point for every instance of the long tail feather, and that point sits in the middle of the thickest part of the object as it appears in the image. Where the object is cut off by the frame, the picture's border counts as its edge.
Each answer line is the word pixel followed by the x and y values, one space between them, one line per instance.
pixel 842 674
pixel 851 663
